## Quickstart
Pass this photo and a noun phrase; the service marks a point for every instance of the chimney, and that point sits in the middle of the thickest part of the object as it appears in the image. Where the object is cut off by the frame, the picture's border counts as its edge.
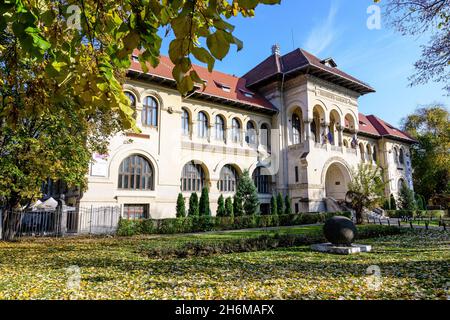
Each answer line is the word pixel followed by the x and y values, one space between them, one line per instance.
pixel 276 49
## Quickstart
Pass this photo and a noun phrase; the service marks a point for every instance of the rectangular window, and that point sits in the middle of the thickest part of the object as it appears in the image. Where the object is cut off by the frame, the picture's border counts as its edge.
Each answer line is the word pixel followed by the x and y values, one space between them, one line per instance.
pixel 296 174
pixel 136 211
pixel 296 208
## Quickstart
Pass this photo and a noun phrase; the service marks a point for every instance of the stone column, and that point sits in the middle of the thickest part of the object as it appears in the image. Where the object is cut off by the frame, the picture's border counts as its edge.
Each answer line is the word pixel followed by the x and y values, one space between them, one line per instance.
pixel 340 136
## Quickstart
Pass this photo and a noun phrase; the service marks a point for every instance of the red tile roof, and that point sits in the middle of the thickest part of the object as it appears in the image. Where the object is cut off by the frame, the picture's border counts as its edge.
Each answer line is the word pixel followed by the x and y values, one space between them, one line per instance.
pixel 378 128
pixel 365 126
pixel 215 81
pixel 387 130
pixel 300 60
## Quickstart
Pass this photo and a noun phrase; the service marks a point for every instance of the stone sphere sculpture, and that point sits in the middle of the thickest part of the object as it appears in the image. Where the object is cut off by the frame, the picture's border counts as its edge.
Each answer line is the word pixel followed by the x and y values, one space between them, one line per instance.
pixel 340 231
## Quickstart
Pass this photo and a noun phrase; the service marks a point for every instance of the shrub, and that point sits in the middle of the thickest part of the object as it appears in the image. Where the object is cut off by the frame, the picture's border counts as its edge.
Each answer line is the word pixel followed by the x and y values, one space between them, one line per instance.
pixel 420 202
pixel 229 207
pixel 193 206
pixel 238 210
pixel 393 203
pixel 436 214
pixel 248 194
pixel 148 226
pixel 406 198
pixel 264 242
pixel 207 223
pixel 287 205
pixel 181 206
pixel 221 211
pixel 204 209
pixel 377 231
pixel 280 204
pixel 273 206
pixel 128 228
pixel 386 204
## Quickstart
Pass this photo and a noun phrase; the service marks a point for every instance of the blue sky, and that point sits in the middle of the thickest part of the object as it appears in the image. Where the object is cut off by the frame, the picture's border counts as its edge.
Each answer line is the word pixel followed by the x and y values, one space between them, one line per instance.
pixel 337 28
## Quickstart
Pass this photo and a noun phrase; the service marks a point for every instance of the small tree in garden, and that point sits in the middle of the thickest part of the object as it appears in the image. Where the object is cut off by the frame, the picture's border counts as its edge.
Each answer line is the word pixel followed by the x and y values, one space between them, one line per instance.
pixel 393 203
pixel 181 206
pixel 221 211
pixel 386 204
pixel 423 202
pixel 287 205
pixel 193 206
pixel 419 202
pixel 204 203
pixel 248 194
pixel 406 198
pixel 366 189
pixel 229 207
pixel 280 204
pixel 273 206
pixel 238 210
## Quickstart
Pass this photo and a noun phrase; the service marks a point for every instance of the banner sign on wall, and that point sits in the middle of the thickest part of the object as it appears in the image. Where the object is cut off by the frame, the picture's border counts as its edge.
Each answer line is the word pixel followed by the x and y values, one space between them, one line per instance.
pixel 99 165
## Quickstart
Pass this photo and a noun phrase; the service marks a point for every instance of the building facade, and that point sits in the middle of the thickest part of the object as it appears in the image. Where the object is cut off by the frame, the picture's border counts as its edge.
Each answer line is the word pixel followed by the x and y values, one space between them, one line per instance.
pixel 293 121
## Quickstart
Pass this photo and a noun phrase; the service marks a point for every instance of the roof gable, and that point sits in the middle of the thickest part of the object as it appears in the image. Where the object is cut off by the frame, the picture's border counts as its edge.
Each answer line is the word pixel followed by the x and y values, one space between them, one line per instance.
pixel 299 61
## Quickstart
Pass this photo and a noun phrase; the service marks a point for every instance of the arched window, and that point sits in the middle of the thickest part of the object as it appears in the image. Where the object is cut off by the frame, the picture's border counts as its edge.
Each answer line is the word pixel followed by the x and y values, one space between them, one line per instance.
pixel 362 152
pixel 135 173
pixel 349 122
pixel 369 153
pixel 202 125
pixel 400 184
pixel 185 123
pixel 236 131
pixel 132 98
pixel 228 179
pixel 318 115
pixel 250 136
pixel 265 137
pixel 401 158
pixel 296 129
pixel 396 155
pixel 332 128
pixel 314 131
pixel 345 143
pixel 150 112
pixel 375 155
pixel 262 182
pixel 192 177
pixel 220 128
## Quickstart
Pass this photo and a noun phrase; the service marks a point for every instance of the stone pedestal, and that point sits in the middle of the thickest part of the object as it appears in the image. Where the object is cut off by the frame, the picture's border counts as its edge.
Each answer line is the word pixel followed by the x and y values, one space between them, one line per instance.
pixel 331 248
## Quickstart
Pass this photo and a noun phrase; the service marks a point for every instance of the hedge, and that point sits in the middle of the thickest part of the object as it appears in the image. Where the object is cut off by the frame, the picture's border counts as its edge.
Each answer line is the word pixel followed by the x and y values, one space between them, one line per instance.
pixel 208 223
pixel 415 213
pixel 264 242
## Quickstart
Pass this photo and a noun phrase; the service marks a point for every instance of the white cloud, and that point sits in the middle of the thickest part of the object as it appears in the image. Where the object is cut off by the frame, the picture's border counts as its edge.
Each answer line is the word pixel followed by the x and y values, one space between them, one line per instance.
pixel 324 33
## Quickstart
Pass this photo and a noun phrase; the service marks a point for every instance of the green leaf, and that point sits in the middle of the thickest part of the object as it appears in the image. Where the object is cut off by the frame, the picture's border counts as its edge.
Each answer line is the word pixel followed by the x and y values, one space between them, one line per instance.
pixel 218 44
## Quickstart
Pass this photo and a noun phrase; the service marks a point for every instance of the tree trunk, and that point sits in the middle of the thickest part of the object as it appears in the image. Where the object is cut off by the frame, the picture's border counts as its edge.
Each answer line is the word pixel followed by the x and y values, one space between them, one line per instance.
pixel 359 216
pixel 11 219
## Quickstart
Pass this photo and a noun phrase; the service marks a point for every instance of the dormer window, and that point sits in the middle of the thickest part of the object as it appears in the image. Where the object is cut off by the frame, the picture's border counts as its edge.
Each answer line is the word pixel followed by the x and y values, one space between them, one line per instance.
pixel 135 58
pixel 222 86
pixel 362 124
pixel 329 63
pixel 247 93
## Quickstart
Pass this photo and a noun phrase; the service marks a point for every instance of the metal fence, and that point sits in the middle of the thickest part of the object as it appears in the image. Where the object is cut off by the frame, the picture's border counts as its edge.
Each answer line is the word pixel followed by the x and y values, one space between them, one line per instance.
pixel 59 222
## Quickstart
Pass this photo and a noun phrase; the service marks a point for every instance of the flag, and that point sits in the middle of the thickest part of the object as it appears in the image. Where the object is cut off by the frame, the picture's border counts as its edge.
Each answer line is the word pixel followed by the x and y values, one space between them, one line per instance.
pixel 330 137
pixel 354 142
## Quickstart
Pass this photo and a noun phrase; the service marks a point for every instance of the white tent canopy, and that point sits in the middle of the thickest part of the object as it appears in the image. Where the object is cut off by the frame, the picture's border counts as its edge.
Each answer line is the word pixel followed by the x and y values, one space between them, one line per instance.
pixel 50 203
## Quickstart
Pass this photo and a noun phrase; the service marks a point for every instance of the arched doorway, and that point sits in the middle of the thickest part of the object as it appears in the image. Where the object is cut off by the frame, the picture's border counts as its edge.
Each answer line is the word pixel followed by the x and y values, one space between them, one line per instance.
pixel 336 181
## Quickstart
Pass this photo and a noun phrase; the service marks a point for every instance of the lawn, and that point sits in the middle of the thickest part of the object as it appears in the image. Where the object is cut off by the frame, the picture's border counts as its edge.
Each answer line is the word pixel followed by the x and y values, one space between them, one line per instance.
pixel 414 265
